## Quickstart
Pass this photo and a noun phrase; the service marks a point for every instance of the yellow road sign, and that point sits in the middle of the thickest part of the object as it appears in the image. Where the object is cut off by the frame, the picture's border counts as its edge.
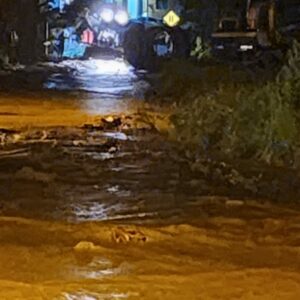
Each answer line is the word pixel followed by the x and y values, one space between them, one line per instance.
pixel 171 18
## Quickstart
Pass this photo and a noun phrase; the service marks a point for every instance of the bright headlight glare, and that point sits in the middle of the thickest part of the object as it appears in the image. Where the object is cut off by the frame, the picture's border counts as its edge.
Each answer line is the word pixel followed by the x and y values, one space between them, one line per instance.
pixel 107 15
pixel 121 17
pixel 246 47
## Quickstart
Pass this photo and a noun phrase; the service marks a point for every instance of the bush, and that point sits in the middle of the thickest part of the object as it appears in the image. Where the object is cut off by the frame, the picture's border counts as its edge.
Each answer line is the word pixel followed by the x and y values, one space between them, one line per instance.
pixel 263 124
pixel 242 120
pixel 180 81
pixel 202 123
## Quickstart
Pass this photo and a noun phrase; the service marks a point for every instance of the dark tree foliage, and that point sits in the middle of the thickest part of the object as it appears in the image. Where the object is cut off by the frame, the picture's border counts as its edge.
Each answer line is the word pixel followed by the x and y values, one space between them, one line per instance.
pixel 23 17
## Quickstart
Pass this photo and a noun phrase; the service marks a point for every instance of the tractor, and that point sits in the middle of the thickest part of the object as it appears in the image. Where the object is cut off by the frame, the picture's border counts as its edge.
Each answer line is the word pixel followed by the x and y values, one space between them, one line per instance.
pixel 144 31
pixel 253 26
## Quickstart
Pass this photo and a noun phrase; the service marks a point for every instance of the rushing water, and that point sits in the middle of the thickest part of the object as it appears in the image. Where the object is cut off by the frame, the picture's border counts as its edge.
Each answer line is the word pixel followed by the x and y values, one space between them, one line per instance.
pixel 81 220
pixel 110 78
pixel 88 214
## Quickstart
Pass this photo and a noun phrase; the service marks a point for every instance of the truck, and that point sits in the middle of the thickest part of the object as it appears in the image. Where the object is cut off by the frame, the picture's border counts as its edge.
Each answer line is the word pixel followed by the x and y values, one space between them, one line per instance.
pixel 143 31
pixel 253 26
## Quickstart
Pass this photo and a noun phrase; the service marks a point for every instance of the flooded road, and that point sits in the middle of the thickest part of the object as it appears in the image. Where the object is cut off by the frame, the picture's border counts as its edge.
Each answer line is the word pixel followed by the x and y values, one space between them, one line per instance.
pixel 113 79
pixel 95 204
pixel 77 90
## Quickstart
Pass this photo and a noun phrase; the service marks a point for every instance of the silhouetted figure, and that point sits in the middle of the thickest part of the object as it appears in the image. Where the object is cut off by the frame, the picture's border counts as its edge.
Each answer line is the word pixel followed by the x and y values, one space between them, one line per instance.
pixel 13 41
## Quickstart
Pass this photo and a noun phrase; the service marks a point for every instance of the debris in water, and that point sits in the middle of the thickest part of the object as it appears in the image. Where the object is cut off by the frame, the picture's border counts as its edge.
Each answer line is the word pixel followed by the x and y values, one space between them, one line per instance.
pixel 111 122
pixel 109 119
pixel 122 235
pixel 84 246
pixel 14 153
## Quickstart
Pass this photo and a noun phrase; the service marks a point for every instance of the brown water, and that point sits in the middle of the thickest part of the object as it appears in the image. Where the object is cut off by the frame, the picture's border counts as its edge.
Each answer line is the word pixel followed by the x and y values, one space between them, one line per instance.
pixel 89 214
pixel 225 258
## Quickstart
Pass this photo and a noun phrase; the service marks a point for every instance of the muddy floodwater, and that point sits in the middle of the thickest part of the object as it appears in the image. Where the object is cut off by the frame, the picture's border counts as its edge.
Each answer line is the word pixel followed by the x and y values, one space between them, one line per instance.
pixel 95 204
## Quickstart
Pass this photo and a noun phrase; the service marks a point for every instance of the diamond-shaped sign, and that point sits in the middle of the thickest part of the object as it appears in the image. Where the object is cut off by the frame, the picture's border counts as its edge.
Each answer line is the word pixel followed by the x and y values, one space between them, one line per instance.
pixel 171 18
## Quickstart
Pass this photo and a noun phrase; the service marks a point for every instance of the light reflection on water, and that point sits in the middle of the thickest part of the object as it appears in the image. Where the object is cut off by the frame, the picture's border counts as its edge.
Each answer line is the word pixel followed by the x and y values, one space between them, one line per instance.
pixel 93 211
pixel 84 296
pixel 97 269
pixel 117 191
pixel 110 78
pixel 108 85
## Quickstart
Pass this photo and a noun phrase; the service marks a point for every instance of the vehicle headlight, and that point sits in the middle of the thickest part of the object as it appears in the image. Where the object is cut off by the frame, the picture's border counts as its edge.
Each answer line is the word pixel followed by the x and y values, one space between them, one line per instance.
pixel 121 17
pixel 107 15
pixel 246 47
